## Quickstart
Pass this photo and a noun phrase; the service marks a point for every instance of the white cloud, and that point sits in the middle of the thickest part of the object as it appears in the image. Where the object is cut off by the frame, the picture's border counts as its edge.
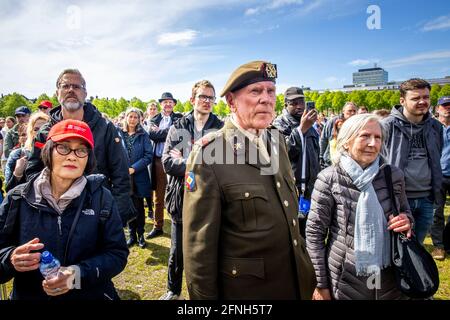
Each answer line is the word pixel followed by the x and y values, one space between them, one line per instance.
pixel 419 59
pixel 359 63
pixel 272 5
pixel 122 48
pixel 183 38
pixel 441 23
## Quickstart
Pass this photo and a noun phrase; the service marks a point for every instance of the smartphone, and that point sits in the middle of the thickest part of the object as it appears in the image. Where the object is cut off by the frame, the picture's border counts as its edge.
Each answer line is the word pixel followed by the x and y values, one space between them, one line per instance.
pixel 310 105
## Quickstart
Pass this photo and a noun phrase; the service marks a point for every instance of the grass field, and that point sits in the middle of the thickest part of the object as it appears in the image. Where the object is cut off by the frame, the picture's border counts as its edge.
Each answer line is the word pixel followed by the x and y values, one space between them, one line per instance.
pixel 145 276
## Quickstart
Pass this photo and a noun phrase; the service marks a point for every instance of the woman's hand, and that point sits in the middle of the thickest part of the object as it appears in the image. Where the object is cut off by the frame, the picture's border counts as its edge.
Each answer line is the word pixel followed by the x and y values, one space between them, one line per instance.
pixel 61 284
pixel 400 223
pixel 321 294
pixel 21 164
pixel 21 258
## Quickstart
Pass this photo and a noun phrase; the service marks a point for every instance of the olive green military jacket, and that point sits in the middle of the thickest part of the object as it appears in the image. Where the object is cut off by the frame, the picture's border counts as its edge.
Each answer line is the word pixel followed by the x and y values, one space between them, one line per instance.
pixel 240 231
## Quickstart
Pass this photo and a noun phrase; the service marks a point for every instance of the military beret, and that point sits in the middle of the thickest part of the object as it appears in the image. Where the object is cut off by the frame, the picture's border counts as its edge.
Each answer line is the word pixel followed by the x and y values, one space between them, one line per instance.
pixel 249 73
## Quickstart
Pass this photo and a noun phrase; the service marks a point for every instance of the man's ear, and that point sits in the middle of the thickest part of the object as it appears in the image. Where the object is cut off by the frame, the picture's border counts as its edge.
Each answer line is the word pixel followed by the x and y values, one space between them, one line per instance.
pixel 402 101
pixel 229 97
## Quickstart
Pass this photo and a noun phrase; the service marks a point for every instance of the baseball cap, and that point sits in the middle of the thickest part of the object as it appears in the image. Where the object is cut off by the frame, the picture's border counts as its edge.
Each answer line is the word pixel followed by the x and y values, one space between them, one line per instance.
pixel 67 129
pixel 293 93
pixel 444 100
pixel 22 111
pixel 46 104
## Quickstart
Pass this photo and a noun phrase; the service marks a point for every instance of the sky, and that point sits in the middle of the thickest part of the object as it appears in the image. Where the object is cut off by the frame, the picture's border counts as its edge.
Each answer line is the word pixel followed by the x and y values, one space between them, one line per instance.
pixel 144 48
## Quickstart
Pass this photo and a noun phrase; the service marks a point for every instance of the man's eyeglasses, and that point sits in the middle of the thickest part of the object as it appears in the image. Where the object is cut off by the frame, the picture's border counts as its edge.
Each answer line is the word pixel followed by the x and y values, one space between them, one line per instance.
pixel 67 86
pixel 64 150
pixel 206 98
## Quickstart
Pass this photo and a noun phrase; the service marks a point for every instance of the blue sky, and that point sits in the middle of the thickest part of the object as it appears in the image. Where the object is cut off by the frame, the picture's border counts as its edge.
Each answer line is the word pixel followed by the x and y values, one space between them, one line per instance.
pixel 143 48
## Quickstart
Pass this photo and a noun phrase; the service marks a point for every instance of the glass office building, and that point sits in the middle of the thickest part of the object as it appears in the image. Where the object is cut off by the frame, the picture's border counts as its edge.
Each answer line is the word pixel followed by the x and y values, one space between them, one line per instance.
pixel 370 77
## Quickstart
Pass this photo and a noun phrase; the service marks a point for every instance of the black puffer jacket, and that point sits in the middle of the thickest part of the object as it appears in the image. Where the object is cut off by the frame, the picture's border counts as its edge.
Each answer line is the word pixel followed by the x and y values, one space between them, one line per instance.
pixel 181 136
pixel 111 158
pixel 97 248
pixel 288 125
pixel 330 230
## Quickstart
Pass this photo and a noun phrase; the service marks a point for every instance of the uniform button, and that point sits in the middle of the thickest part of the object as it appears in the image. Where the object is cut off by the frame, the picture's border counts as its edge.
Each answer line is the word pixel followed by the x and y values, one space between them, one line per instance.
pixel 295 242
pixel 294 223
pixel 247 194
pixel 286 203
pixel 278 184
pixel 234 272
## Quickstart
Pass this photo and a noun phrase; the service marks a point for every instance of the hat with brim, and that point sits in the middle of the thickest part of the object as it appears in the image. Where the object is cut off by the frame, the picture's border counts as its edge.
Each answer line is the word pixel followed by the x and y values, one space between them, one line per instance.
pixel 293 93
pixel 46 104
pixel 67 129
pixel 249 73
pixel 444 100
pixel 167 96
pixel 21 111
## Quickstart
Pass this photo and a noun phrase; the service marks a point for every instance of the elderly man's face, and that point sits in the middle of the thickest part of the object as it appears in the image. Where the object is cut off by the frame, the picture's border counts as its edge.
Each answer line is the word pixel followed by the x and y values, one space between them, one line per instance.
pixel 71 92
pixel 254 105
pixel 167 106
pixel 444 110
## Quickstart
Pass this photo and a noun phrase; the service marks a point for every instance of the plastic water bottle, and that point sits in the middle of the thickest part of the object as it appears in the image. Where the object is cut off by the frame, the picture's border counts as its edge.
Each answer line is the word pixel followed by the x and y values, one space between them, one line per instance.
pixel 49 265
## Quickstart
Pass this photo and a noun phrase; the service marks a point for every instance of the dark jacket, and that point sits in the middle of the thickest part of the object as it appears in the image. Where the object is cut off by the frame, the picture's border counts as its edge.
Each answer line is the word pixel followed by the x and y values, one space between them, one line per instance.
pixel 330 232
pixel 240 234
pixel 288 125
pixel 327 135
pixel 161 135
pixel 141 157
pixel 110 156
pixel 11 140
pixel 99 250
pixel 181 136
pixel 398 141
pixel 10 180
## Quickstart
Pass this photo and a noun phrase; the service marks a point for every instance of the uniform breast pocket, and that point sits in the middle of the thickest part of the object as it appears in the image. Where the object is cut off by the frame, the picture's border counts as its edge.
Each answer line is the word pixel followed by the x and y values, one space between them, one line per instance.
pixel 248 207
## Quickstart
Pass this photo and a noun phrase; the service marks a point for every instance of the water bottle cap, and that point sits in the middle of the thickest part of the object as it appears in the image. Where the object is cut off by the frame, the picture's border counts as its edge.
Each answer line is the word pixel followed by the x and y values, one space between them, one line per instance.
pixel 46 257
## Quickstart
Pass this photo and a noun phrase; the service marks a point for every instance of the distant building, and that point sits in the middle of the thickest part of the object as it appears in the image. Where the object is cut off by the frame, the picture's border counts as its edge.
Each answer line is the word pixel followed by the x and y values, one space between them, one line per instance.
pixel 370 77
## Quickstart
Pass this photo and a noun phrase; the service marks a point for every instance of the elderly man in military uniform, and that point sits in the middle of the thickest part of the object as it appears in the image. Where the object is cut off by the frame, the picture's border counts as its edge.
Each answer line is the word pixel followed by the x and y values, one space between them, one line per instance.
pixel 240 233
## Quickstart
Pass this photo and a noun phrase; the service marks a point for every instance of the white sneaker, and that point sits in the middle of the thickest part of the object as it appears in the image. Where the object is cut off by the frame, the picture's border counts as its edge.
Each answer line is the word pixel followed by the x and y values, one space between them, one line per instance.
pixel 169 295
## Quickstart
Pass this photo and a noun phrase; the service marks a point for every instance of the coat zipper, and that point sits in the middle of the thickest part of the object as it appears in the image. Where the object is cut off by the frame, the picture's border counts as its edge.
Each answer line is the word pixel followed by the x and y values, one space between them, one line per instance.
pixel 59 225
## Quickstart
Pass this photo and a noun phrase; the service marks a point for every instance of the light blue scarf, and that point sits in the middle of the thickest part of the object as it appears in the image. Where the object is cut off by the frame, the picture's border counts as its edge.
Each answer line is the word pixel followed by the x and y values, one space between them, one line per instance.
pixel 372 238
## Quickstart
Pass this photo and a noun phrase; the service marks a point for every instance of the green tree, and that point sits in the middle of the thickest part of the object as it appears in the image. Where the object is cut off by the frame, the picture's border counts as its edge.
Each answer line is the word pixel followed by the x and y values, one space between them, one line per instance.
pixel 138 103
pixel 279 103
pixel 338 100
pixel 178 107
pixel 445 91
pixel 221 109
pixel 187 107
pixel 120 106
pixel 434 93
pixel 11 102
pixel 394 99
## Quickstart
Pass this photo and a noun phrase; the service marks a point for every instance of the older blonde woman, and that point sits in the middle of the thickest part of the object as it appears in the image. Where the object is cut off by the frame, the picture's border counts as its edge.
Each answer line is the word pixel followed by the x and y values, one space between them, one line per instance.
pixel 349 224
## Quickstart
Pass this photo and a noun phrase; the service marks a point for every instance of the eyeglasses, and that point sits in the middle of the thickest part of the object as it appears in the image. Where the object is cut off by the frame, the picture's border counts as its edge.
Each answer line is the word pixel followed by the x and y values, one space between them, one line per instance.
pixel 206 98
pixel 67 86
pixel 64 150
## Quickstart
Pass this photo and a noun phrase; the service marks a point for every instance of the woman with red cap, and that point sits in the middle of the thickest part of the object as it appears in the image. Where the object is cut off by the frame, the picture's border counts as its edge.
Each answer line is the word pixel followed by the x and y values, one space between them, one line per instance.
pixel 69 213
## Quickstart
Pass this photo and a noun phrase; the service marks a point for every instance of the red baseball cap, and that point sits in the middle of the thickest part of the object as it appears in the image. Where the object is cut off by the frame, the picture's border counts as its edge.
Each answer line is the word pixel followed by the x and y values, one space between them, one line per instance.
pixel 67 129
pixel 45 103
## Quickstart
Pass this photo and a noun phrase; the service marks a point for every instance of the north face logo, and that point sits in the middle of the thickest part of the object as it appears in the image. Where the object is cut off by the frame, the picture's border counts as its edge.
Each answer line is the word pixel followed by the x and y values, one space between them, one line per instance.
pixel 88 212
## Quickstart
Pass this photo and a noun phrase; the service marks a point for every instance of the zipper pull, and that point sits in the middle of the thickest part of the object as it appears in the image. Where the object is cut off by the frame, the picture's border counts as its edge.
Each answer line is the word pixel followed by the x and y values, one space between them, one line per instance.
pixel 59 225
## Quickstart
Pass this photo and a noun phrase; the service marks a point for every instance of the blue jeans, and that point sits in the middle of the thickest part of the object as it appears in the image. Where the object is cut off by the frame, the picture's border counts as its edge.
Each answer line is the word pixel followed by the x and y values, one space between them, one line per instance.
pixel 422 210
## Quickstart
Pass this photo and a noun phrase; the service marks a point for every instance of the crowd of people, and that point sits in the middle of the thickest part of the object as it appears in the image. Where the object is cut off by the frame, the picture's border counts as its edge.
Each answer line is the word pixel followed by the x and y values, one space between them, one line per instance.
pixel 263 206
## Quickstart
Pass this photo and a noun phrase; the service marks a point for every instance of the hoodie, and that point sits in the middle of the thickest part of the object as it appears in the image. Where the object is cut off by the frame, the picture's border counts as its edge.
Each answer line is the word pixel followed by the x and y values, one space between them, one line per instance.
pixel 416 149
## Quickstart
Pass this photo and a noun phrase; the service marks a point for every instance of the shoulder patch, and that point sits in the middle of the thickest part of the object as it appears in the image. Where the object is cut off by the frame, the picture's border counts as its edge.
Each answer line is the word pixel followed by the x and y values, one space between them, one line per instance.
pixel 189 182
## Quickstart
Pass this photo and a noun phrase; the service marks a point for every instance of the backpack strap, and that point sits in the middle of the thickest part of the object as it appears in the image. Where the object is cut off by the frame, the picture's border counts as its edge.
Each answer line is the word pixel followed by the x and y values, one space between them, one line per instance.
pixel 106 207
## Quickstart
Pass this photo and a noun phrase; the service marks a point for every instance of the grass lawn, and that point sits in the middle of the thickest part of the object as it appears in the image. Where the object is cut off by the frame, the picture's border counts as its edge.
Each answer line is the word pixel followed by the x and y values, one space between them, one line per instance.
pixel 145 276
